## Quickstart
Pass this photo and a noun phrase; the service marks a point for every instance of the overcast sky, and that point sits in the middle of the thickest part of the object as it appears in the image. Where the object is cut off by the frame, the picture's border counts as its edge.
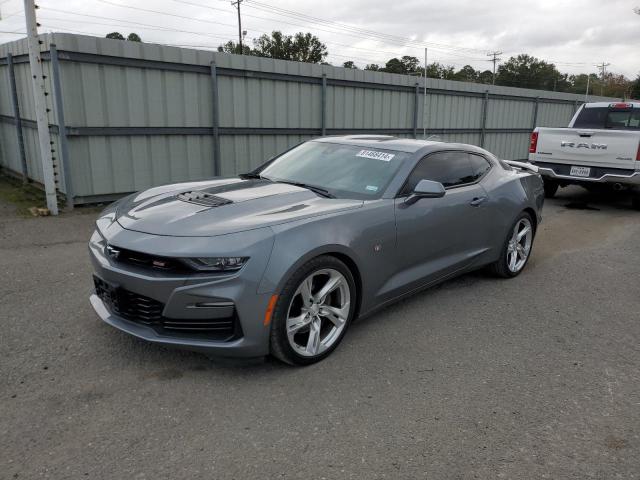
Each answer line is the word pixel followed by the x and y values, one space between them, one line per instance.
pixel 574 34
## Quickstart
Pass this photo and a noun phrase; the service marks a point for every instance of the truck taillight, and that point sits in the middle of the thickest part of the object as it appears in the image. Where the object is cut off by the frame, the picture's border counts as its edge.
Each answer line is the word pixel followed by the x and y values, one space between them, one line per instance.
pixel 533 145
pixel 620 106
pixel 638 154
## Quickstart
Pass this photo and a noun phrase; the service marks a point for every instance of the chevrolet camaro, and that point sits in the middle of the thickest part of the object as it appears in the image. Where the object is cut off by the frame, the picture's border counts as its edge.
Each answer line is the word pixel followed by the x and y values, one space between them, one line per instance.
pixel 282 259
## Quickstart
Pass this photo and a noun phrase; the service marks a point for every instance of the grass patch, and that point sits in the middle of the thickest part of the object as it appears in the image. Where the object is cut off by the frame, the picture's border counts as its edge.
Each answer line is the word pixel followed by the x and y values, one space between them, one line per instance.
pixel 20 196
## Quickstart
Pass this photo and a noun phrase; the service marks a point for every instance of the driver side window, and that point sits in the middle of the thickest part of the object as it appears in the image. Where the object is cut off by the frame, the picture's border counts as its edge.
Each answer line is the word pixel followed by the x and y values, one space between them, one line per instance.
pixel 449 168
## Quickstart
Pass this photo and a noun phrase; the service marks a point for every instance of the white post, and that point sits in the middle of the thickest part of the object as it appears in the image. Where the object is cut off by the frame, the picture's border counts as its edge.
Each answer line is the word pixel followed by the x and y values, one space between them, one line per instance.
pixel 586 94
pixel 37 81
pixel 424 99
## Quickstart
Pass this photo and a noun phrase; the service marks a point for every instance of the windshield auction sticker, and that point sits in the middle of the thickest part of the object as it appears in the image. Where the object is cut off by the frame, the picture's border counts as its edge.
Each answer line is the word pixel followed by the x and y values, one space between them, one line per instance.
pixel 385 157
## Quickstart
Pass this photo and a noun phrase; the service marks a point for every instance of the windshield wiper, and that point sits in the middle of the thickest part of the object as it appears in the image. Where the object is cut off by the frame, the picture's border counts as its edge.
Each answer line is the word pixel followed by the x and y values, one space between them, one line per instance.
pixel 319 190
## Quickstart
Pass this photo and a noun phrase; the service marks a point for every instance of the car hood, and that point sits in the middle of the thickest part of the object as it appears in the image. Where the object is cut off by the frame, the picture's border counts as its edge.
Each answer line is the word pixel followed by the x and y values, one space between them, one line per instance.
pixel 222 206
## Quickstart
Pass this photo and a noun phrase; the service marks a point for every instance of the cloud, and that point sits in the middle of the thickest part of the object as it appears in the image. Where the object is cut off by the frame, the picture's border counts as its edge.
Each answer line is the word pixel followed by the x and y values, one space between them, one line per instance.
pixel 575 34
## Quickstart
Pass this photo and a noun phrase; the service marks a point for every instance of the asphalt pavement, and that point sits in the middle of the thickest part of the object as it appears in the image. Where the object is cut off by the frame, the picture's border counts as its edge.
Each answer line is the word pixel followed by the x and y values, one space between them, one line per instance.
pixel 534 377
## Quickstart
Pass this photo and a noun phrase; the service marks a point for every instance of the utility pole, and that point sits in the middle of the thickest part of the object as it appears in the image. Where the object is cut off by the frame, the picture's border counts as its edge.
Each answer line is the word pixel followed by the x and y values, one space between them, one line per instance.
pixel 40 104
pixel 237 5
pixel 495 60
pixel 586 94
pixel 603 72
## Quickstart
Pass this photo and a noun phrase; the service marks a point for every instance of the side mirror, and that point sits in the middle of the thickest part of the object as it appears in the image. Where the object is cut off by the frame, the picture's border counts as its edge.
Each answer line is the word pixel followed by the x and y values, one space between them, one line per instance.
pixel 426 189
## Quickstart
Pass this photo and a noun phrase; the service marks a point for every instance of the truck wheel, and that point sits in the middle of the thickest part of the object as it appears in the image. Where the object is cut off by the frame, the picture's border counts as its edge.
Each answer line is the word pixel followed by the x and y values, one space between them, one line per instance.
pixel 550 188
pixel 635 200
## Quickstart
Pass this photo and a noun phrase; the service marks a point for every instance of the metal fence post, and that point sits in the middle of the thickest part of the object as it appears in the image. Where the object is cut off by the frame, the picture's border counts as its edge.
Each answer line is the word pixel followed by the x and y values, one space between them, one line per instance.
pixel 535 113
pixel 324 104
pixel 415 110
pixel 62 128
pixel 485 103
pixel 217 163
pixel 18 120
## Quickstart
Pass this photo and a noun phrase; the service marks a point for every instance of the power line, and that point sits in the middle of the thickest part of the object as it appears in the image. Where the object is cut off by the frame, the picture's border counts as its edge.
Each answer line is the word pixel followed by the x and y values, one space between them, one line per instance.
pixel 138 25
pixel 207 21
pixel 165 13
pixel 341 31
pixel 495 60
pixel 248 3
pixel 387 37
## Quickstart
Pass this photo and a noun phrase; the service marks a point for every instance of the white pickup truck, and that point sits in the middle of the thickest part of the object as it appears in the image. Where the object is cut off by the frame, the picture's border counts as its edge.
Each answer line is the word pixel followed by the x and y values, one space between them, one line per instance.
pixel 600 146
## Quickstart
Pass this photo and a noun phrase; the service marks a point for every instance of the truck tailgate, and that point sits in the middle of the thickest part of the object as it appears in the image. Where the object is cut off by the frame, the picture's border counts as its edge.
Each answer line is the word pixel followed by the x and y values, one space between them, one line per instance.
pixel 598 148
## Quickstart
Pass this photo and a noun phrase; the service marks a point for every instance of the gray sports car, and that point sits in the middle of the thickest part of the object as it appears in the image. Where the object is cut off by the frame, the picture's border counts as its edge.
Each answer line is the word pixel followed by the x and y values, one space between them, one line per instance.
pixel 281 260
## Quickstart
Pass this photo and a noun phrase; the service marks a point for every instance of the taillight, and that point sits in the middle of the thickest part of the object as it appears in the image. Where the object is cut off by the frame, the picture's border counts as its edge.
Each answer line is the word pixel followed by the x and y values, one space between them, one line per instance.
pixel 533 145
pixel 638 154
pixel 620 106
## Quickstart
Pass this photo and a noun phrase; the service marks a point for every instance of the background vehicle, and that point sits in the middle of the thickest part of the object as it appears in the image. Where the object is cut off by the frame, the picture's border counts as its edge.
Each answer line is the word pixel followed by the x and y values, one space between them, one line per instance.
pixel 601 146
pixel 282 259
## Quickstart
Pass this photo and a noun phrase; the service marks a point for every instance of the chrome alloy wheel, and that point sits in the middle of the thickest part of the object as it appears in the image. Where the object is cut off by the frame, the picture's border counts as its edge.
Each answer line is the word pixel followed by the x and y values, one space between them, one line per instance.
pixel 519 245
pixel 318 312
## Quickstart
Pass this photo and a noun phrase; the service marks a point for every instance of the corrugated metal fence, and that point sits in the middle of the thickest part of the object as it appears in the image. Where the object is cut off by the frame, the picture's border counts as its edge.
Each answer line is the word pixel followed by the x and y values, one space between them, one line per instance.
pixel 126 116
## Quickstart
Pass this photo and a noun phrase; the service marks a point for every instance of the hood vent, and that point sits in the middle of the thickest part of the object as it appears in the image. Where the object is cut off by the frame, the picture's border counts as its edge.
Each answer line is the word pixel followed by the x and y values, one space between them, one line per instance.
pixel 202 198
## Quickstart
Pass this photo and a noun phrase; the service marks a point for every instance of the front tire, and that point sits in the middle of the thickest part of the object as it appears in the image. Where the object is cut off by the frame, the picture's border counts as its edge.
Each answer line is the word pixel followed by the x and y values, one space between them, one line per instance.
pixel 516 249
pixel 313 312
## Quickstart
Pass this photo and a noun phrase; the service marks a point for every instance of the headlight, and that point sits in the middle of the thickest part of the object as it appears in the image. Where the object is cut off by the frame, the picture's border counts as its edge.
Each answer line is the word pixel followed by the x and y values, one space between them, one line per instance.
pixel 216 264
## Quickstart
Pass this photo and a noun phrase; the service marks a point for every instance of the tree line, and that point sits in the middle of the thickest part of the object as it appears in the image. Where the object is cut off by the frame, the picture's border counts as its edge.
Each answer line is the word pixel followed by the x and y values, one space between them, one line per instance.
pixel 524 71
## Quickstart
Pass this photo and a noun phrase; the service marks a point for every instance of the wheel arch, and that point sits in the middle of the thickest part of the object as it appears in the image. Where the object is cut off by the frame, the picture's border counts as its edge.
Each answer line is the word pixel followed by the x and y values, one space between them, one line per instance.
pixel 340 252
pixel 534 217
pixel 357 277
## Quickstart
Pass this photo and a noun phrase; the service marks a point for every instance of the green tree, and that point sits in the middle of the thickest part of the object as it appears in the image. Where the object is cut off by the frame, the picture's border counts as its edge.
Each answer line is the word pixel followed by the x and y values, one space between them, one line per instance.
pixel 233 47
pixel 350 64
pixel 406 64
pixel 437 70
pixel 526 71
pixel 374 67
pixel 394 65
pixel 115 36
pixel 301 47
pixel 579 83
pixel 485 77
pixel 635 88
pixel 132 37
pixel 466 74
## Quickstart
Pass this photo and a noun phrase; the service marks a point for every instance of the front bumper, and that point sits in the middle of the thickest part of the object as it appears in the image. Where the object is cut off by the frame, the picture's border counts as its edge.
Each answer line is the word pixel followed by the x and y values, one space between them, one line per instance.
pixel 560 172
pixel 186 300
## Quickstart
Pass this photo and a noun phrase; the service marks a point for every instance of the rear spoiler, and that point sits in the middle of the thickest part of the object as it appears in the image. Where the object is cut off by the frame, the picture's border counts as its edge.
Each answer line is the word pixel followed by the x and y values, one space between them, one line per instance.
pixel 522 165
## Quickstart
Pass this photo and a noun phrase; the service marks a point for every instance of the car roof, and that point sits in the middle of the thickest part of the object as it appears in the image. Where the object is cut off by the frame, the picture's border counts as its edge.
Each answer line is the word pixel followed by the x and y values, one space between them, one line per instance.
pixel 385 142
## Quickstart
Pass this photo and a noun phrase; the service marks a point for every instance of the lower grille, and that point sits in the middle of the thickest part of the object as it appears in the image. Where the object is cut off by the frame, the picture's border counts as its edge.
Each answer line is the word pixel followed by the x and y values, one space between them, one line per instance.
pixel 147 311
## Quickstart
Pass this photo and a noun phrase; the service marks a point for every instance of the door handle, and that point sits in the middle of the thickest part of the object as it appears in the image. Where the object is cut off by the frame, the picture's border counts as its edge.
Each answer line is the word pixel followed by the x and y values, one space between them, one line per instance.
pixel 477 201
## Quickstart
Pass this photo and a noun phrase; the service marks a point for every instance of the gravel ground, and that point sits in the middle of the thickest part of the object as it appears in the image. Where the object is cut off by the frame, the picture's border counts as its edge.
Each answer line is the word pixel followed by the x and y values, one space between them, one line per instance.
pixel 535 377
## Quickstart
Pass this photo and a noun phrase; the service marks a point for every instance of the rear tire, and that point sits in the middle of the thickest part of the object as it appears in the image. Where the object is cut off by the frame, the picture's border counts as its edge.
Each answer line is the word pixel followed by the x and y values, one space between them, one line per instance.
pixel 635 200
pixel 313 312
pixel 550 188
pixel 518 244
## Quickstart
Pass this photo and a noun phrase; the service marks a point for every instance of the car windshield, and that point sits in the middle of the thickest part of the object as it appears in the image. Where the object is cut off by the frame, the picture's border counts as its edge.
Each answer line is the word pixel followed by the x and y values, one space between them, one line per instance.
pixel 605 117
pixel 345 171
